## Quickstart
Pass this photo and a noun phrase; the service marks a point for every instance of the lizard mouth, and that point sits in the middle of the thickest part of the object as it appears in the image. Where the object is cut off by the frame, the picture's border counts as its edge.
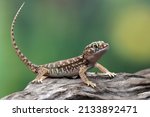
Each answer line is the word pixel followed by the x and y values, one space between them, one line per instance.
pixel 104 46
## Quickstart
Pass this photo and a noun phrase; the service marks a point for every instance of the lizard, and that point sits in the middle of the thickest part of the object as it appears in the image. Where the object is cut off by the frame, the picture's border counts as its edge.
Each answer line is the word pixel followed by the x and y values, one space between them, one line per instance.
pixel 77 66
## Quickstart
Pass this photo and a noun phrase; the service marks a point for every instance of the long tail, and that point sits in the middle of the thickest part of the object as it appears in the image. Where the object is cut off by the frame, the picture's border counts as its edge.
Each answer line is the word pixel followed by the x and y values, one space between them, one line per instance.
pixel 23 58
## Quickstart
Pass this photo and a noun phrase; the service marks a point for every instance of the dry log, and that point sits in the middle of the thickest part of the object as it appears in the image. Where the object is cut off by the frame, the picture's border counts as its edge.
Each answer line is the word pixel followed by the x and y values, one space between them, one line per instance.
pixel 124 86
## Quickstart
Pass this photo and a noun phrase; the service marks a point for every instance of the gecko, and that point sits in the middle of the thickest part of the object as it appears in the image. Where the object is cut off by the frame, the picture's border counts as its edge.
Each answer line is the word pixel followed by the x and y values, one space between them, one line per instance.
pixel 76 66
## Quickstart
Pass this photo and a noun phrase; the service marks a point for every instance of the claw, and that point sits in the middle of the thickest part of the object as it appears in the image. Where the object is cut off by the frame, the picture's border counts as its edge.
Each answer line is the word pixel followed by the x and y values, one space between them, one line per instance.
pixel 89 83
pixel 39 81
pixel 110 74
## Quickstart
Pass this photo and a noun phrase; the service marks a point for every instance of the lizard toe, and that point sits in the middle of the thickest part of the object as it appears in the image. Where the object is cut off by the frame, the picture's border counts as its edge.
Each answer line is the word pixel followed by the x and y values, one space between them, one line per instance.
pixel 89 83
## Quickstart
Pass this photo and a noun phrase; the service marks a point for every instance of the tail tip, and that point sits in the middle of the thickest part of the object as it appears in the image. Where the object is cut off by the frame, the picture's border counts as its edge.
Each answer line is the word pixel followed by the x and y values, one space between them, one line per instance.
pixel 23 4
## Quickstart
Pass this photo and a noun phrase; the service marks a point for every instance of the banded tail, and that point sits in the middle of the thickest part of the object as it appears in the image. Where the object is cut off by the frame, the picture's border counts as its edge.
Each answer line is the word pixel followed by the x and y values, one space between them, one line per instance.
pixel 23 58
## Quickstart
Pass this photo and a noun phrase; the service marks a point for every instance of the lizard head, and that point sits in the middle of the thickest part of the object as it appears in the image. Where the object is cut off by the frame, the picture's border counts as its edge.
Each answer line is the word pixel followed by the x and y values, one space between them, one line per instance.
pixel 94 51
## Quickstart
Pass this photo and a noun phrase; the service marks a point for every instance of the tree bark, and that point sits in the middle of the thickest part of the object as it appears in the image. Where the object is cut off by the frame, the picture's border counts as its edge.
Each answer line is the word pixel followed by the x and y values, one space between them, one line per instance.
pixel 124 86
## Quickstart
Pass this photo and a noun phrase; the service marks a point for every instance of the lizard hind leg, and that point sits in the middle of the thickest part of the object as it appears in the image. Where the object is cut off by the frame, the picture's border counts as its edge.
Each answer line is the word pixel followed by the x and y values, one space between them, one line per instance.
pixel 42 74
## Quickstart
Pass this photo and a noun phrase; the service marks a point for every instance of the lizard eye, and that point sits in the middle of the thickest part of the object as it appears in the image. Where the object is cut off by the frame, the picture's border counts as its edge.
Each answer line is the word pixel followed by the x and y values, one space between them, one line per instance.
pixel 95 46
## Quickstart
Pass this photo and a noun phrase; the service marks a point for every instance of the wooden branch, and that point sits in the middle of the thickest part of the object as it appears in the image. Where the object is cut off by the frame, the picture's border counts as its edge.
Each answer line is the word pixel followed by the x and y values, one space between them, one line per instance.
pixel 123 86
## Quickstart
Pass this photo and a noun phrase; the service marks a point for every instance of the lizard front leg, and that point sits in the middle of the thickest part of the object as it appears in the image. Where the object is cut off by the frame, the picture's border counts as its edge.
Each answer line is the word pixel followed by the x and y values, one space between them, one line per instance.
pixel 104 70
pixel 84 78
pixel 41 75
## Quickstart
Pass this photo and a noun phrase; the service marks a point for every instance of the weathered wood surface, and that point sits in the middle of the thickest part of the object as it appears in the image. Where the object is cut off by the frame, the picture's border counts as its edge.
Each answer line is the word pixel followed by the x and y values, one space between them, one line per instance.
pixel 123 86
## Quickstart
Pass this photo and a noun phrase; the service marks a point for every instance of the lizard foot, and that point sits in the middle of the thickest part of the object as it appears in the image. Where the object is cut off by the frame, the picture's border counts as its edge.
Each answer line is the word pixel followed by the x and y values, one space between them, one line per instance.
pixel 40 77
pixel 38 80
pixel 89 83
pixel 110 74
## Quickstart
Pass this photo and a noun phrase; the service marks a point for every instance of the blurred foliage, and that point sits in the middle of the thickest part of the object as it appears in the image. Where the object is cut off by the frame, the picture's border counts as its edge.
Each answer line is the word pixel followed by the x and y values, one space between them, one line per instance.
pixel 50 30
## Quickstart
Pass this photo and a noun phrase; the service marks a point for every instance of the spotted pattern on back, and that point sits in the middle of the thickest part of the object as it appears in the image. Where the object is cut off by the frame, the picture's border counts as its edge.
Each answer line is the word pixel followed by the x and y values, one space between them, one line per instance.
pixel 68 66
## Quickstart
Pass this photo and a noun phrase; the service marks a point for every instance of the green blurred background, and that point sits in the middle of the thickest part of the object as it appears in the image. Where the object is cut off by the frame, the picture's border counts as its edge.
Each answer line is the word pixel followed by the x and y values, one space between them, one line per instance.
pixel 50 30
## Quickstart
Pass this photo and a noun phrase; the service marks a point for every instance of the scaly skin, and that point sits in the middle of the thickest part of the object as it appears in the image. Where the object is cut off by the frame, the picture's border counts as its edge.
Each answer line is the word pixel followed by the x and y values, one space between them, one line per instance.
pixel 69 67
